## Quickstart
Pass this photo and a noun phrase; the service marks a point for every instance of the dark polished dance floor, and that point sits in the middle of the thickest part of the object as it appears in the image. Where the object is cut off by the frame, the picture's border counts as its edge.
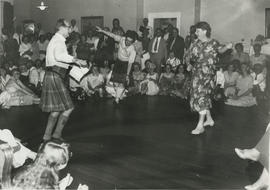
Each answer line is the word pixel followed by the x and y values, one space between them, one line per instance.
pixel 145 143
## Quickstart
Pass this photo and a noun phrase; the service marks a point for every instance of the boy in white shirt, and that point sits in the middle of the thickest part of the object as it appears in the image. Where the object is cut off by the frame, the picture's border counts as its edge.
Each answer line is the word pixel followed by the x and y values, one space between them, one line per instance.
pixel 173 61
pixel 259 82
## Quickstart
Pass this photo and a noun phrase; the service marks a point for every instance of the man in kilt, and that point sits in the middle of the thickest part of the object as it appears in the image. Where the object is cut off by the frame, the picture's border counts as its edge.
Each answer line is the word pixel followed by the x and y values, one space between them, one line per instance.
pixel 125 58
pixel 55 97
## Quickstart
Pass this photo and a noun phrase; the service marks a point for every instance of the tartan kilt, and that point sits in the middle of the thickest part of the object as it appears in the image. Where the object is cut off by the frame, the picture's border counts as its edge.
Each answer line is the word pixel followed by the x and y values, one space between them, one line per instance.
pixel 119 72
pixel 55 96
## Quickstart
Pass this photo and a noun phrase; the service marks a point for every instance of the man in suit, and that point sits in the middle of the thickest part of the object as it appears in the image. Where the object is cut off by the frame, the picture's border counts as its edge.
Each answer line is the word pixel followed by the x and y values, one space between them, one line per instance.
pixel 176 44
pixel 158 49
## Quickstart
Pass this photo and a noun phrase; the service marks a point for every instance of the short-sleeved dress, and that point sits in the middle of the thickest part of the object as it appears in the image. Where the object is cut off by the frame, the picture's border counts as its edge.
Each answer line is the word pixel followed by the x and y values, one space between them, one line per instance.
pixel 203 55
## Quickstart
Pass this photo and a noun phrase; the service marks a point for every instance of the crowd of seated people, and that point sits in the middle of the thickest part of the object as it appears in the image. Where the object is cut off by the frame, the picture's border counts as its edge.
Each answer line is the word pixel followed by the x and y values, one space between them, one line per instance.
pixel 159 67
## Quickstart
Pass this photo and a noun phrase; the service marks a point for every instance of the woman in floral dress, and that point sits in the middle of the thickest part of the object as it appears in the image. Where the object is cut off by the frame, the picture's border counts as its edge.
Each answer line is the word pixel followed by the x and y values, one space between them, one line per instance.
pixel 203 54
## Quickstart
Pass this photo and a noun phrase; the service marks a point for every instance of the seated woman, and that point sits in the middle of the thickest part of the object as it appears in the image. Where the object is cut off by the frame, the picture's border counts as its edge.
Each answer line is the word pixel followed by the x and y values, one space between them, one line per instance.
pixel 16 93
pixel 240 55
pixel 243 96
pixel 4 78
pixel 149 86
pixel 137 76
pixel 93 83
pixel 43 173
pixel 231 77
pixel 178 83
pixel 166 81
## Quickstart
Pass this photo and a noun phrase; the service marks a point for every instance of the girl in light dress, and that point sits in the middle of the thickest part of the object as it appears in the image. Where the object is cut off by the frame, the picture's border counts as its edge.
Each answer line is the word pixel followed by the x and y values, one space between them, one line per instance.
pixel 137 76
pixel 173 61
pixel 149 86
pixel 166 80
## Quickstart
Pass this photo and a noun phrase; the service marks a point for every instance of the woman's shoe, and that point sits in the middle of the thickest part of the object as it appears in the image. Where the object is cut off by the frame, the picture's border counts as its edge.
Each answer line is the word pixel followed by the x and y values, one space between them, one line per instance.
pixel 197 131
pixel 209 123
pixel 255 187
pixel 251 154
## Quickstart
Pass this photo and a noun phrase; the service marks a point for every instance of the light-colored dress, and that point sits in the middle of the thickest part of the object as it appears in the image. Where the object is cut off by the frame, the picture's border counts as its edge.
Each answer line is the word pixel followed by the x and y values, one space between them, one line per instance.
pixel 92 83
pixel 137 78
pixel 230 79
pixel 17 94
pixel 149 85
pixel 243 84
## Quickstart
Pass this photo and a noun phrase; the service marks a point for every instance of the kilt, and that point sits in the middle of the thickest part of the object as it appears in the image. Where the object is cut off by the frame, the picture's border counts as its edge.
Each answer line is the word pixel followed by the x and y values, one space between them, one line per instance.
pixel 119 72
pixel 55 96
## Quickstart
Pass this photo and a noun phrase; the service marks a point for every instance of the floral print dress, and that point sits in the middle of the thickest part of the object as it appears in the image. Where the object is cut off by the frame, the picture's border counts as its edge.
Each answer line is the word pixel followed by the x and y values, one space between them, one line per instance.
pixel 203 57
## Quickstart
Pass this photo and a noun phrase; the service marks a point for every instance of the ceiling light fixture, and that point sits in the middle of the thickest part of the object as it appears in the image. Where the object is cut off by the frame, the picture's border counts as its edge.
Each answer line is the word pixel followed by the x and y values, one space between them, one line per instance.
pixel 42 6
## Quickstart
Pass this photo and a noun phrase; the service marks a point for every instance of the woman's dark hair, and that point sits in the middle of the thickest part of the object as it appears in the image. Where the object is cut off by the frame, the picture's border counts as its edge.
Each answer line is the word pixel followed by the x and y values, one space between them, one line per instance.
pixel 169 66
pixel 247 66
pixel 131 34
pixel 116 20
pixel 240 45
pixel 204 26
pixel 177 68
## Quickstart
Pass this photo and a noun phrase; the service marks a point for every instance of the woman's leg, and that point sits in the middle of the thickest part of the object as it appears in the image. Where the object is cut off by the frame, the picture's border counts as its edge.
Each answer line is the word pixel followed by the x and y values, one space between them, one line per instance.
pixel 199 128
pixel 261 183
pixel 53 117
pixel 209 120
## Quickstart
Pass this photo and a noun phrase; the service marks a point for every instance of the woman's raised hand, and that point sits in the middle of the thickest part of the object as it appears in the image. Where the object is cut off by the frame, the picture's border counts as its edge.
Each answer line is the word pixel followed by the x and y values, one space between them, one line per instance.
pixel 98 29
pixel 229 45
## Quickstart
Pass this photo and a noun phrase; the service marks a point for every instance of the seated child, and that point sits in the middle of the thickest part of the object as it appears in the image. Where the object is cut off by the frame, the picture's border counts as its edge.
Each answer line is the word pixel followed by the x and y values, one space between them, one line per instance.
pixel 166 80
pixel 137 76
pixel 149 86
pixel 173 61
pixel 259 82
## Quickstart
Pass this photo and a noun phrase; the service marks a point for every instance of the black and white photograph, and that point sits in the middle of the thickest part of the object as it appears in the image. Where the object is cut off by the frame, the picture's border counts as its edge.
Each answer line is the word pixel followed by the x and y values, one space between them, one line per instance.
pixel 134 94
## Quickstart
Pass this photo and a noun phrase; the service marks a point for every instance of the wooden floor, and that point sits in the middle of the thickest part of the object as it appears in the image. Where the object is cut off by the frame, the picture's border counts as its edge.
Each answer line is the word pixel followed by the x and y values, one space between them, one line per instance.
pixel 145 143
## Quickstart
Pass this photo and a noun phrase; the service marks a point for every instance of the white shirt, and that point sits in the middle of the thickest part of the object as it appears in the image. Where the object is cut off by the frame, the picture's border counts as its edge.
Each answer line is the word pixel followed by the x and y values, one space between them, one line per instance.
pixel 57 52
pixel 33 76
pixel 259 79
pixel 154 43
pixel 125 53
pixel 266 49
